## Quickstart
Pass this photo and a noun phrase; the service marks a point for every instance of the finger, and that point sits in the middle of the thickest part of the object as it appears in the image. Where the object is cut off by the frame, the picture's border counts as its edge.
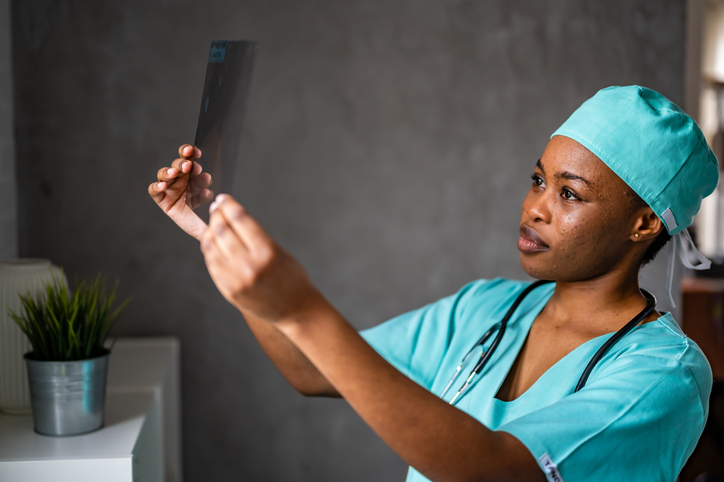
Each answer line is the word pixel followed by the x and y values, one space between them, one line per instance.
pixel 205 196
pixel 204 180
pixel 214 260
pixel 208 245
pixel 187 151
pixel 175 180
pixel 242 223
pixel 225 271
pixel 167 174
pixel 201 198
pixel 183 165
pixel 227 240
pixel 197 169
pixel 157 191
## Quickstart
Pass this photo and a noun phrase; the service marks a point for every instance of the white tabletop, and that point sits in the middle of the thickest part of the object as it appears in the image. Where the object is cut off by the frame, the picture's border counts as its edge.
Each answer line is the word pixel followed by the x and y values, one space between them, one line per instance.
pixel 125 414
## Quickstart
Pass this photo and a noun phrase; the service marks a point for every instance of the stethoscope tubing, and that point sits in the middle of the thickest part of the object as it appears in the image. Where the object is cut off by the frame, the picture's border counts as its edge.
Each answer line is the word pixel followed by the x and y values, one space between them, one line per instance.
pixel 459 368
pixel 501 326
pixel 489 353
pixel 650 305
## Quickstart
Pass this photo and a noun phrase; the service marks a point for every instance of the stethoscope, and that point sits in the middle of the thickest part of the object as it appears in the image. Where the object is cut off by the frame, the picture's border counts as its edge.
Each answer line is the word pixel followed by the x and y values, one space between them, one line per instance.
pixel 486 355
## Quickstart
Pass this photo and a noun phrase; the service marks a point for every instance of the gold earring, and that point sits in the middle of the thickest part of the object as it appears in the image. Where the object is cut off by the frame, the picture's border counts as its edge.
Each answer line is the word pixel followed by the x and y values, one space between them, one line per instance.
pixel 636 235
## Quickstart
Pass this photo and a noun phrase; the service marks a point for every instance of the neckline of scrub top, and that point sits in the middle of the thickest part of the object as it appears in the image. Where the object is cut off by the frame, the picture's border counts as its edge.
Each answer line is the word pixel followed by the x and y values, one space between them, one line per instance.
pixel 596 342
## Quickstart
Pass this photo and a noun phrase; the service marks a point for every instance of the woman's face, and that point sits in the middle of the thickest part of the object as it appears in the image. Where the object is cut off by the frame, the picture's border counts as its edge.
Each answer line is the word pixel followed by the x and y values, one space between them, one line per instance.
pixel 577 218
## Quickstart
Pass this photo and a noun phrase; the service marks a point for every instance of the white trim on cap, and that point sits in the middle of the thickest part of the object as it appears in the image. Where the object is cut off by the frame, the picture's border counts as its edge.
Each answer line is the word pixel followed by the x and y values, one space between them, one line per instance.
pixel 669 219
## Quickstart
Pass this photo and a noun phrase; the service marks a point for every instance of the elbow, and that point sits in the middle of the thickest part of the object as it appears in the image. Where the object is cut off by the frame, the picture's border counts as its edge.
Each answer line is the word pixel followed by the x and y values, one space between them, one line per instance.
pixel 308 393
pixel 310 389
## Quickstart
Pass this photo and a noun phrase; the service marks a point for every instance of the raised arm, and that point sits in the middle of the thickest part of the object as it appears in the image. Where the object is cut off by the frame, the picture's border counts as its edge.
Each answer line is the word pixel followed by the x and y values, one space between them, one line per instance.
pixel 440 441
pixel 170 193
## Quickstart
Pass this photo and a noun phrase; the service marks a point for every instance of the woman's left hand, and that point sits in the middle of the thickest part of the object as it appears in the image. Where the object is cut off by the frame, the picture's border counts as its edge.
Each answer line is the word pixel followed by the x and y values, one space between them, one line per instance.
pixel 250 269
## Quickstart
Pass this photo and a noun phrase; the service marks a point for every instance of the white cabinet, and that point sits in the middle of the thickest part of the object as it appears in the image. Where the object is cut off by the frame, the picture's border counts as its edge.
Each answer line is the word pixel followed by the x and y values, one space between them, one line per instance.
pixel 141 437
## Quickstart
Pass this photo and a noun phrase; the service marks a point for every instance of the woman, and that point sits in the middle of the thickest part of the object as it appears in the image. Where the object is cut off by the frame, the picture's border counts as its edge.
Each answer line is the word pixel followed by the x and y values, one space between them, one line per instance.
pixel 625 172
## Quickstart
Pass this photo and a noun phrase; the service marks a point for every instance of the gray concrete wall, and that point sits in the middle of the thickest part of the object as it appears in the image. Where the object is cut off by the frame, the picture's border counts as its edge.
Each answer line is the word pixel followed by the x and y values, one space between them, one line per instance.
pixel 388 145
pixel 8 198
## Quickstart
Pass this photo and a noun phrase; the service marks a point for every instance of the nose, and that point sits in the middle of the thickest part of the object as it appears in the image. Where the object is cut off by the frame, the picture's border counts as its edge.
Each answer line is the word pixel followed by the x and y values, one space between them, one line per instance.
pixel 537 206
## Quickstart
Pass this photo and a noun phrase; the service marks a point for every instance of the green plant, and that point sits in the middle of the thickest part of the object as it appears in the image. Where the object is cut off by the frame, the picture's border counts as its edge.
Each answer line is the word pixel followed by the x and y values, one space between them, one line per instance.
pixel 62 326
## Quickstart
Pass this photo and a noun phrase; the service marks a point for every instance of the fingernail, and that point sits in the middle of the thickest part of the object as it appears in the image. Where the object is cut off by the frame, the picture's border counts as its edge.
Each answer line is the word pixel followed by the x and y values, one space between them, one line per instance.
pixel 221 197
pixel 213 207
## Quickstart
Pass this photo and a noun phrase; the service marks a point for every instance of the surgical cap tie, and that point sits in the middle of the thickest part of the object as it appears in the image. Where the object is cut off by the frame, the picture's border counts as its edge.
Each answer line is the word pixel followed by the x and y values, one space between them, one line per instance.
pixel 687 252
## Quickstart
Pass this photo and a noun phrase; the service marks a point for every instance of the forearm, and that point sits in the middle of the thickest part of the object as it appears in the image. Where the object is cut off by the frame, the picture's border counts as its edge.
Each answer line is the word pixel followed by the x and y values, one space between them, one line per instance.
pixel 289 360
pixel 440 441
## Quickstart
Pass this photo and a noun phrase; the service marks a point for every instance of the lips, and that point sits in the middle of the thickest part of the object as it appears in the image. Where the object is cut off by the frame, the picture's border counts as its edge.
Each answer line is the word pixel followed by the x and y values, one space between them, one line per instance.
pixel 530 241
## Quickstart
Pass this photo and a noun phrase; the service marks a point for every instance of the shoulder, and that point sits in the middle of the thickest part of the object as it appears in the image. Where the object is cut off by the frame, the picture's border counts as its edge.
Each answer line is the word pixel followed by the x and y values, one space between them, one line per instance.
pixel 663 340
pixel 661 349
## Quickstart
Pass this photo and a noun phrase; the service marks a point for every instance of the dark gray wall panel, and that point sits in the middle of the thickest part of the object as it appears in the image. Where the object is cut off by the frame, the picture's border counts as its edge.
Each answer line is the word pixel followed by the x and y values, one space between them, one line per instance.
pixel 8 199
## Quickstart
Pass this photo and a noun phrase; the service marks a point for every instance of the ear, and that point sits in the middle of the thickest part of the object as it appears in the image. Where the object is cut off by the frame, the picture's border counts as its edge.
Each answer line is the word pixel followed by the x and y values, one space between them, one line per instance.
pixel 647 225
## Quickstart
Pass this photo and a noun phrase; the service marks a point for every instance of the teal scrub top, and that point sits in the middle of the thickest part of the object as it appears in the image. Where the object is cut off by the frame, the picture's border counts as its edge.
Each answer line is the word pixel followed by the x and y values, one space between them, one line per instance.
pixel 638 418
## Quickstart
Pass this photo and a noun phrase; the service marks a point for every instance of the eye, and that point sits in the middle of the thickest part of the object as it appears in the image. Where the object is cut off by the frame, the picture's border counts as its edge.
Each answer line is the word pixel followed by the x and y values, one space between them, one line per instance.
pixel 567 194
pixel 537 181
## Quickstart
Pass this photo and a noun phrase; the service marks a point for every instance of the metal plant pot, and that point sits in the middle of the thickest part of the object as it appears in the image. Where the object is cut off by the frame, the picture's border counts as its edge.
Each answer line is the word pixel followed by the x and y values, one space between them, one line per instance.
pixel 68 397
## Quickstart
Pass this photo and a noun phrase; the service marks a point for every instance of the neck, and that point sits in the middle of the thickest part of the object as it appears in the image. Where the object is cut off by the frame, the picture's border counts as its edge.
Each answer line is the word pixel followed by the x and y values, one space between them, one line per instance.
pixel 603 303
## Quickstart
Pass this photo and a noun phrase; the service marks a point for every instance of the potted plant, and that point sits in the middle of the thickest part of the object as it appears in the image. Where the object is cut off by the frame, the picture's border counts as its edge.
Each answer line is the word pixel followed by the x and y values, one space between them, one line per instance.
pixel 68 363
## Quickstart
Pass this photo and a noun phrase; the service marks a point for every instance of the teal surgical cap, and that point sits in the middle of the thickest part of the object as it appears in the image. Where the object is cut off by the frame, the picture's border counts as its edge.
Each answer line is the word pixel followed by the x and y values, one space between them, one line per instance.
pixel 653 145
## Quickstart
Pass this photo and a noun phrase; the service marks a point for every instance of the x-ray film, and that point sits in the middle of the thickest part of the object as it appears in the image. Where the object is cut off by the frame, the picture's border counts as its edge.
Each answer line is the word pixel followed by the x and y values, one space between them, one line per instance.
pixel 218 133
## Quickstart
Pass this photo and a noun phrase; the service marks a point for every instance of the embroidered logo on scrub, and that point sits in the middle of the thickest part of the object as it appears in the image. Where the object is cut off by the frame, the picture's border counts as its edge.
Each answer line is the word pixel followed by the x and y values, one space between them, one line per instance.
pixel 550 468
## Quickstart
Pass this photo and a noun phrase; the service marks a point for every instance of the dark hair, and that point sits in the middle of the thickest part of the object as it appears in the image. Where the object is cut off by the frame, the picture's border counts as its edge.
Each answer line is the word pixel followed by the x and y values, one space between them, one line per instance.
pixel 656 246
pixel 660 240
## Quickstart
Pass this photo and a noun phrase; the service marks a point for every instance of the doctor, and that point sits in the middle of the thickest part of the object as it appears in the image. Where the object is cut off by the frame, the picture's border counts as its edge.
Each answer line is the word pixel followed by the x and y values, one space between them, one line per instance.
pixel 625 173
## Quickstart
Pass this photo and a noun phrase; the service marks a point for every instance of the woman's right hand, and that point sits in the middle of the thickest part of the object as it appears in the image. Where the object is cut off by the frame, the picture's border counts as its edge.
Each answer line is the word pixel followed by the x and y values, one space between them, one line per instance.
pixel 172 192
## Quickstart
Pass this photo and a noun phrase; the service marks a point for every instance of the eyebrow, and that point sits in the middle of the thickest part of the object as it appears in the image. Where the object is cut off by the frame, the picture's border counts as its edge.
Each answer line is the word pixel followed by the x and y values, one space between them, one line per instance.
pixel 566 175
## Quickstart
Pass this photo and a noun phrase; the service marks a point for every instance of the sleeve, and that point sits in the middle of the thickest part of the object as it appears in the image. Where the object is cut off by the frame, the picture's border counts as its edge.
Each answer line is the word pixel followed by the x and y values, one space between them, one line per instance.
pixel 416 342
pixel 639 419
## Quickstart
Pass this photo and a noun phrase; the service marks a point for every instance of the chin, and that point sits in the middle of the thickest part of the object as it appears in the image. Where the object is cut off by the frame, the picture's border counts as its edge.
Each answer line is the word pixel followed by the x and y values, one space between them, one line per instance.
pixel 537 269
pixel 560 273
pixel 532 269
